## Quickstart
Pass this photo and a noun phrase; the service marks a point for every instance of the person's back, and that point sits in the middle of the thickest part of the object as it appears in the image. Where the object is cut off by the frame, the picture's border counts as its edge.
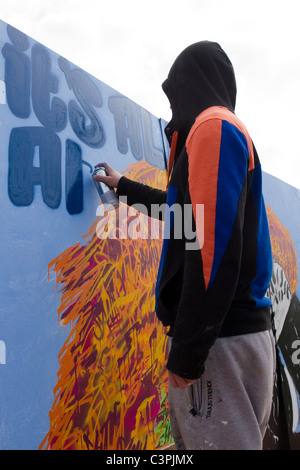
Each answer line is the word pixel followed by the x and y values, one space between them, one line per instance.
pixel 212 295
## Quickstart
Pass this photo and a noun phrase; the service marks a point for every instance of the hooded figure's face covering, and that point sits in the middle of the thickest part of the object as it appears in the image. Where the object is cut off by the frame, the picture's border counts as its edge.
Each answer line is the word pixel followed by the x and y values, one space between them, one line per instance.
pixel 202 76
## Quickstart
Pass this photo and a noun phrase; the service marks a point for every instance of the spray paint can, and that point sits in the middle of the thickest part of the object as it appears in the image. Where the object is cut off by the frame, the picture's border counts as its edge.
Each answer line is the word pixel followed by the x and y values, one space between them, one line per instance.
pixel 107 195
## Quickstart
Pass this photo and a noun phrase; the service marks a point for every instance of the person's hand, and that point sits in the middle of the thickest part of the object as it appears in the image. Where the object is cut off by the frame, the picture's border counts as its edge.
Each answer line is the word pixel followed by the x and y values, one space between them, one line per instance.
pixel 179 382
pixel 113 177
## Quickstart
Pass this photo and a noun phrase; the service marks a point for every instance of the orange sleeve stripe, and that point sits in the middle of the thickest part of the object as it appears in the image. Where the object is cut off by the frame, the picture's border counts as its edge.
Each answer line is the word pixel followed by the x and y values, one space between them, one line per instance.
pixel 203 151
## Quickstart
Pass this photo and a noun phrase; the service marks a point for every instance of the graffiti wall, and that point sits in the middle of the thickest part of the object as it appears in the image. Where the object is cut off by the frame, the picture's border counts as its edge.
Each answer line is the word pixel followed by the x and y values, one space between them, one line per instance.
pixel 82 355
pixel 81 352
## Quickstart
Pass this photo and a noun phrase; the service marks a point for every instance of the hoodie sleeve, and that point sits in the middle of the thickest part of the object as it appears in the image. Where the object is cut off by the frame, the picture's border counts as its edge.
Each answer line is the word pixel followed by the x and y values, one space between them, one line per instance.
pixel 218 160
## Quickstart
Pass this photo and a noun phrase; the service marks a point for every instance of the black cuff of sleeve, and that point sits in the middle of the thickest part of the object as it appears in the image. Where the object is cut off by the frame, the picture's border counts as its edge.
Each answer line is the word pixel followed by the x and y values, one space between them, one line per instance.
pixel 122 186
pixel 184 364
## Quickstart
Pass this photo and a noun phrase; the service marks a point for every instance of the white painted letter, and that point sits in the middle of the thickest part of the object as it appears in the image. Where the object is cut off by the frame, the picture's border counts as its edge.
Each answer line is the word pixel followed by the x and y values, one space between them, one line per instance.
pixel 2 353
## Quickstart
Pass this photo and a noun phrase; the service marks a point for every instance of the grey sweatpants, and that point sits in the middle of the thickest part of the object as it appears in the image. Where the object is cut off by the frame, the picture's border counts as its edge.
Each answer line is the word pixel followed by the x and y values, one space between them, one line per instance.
pixel 228 408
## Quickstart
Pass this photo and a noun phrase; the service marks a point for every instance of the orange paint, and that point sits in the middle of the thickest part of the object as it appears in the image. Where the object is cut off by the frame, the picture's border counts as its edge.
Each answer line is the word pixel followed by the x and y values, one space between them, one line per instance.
pixel 283 249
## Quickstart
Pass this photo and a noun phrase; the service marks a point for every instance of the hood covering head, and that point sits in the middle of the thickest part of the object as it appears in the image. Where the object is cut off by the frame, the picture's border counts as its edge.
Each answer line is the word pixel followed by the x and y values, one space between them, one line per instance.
pixel 202 76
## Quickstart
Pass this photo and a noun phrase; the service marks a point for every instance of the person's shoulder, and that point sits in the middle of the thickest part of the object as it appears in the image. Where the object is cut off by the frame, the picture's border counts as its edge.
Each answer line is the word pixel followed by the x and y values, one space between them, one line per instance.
pixel 208 127
pixel 207 124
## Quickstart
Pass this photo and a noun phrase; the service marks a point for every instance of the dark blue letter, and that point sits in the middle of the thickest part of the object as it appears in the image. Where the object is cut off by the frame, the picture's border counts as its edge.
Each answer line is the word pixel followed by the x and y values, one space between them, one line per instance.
pixel 87 94
pixel 153 156
pixel 22 175
pixel 44 82
pixel 74 178
pixel 17 73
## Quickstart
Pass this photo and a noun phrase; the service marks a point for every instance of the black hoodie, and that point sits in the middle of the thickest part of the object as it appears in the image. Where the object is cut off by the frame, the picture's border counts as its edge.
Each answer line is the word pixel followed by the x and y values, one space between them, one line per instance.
pixel 213 276
pixel 202 76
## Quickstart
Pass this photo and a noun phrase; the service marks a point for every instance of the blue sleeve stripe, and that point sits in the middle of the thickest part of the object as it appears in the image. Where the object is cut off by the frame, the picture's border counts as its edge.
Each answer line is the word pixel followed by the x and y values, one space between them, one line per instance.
pixel 233 169
pixel 264 261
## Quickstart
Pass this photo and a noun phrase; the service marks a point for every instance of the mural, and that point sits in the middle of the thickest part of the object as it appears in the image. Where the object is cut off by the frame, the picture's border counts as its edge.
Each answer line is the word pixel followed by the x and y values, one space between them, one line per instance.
pixel 82 355
pixel 284 290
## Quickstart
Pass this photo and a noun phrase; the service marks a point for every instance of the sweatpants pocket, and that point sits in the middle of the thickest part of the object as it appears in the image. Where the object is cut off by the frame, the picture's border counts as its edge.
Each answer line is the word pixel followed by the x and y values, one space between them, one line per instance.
pixel 197 399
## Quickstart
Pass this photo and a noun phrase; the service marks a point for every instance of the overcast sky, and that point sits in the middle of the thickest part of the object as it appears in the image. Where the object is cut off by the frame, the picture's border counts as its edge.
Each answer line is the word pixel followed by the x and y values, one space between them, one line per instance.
pixel 131 44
